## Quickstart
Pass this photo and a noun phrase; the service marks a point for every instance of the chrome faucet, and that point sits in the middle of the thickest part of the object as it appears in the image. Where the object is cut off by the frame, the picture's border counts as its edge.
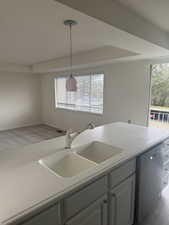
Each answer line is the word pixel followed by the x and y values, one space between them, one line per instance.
pixel 70 137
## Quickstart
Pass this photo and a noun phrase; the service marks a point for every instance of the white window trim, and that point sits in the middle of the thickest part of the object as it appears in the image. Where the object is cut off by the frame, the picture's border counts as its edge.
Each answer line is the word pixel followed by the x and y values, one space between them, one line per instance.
pixel 76 110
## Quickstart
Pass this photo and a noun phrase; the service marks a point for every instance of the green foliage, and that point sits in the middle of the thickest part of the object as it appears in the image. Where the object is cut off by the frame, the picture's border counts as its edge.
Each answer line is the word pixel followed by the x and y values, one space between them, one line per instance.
pixel 160 85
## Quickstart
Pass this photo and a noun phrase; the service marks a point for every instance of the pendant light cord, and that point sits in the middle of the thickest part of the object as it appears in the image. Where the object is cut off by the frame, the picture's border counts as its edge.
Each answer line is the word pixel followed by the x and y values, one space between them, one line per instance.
pixel 71 49
pixel 71 83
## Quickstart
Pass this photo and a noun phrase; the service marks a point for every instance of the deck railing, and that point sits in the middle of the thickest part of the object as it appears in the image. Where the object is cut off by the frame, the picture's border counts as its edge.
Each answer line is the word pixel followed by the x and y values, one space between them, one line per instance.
pixel 160 116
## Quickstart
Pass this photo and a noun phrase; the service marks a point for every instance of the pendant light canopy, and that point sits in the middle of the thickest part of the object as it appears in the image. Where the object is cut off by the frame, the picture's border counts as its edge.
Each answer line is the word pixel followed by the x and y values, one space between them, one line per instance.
pixel 71 82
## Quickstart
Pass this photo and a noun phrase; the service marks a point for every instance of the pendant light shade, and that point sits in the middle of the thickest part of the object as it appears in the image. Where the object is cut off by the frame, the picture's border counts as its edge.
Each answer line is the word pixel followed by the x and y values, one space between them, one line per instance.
pixel 71 82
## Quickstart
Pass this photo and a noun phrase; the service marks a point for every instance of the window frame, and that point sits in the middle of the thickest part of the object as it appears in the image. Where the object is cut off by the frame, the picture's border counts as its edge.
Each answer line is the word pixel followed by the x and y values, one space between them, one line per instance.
pixel 77 110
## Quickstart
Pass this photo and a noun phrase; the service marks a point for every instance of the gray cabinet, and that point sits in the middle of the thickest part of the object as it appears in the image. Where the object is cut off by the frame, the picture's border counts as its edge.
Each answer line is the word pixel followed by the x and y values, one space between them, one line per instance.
pixel 108 200
pixel 84 197
pixel 122 172
pixel 95 214
pixel 121 211
pixel 50 216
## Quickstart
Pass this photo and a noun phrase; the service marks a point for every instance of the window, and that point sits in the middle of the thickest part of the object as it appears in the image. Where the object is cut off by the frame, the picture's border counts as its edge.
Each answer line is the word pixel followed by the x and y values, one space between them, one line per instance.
pixel 89 95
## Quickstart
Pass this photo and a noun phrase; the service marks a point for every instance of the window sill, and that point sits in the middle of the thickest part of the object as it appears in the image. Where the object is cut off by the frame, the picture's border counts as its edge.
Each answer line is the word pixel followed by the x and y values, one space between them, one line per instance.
pixel 78 111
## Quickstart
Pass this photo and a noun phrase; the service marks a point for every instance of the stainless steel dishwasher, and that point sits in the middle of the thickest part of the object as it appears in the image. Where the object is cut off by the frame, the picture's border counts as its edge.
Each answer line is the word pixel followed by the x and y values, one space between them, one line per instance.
pixel 149 181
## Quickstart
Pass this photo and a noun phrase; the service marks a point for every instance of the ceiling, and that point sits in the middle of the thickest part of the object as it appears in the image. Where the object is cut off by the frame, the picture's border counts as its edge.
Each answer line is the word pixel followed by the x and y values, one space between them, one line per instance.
pixel 32 32
pixel 156 11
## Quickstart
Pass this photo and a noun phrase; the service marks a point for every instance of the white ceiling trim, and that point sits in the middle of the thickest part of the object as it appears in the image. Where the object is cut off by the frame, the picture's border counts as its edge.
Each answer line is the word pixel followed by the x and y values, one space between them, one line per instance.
pixel 53 70
pixel 92 57
pixel 41 69
pixel 15 68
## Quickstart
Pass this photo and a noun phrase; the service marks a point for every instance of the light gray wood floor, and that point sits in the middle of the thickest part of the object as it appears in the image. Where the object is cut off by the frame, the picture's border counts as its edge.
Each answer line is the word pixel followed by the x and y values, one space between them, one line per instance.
pixel 19 137
pixel 160 215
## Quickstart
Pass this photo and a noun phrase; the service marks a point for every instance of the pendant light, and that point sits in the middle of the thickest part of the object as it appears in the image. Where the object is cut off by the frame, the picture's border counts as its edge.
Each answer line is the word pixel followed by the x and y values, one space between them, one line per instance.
pixel 71 82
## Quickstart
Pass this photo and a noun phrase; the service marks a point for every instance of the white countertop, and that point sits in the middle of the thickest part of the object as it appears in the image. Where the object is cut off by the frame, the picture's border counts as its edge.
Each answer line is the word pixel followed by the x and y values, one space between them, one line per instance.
pixel 25 185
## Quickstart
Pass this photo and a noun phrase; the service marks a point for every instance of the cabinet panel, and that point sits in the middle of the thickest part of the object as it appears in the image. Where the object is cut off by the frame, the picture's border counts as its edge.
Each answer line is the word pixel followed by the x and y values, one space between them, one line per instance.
pixel 83 198
pixel 95 214
pixel 122 203
pixel 50 216
pixel 122 172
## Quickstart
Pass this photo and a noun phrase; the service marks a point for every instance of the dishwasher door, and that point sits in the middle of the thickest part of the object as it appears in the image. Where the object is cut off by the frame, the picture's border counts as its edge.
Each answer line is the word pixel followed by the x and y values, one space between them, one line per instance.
pixel 149 181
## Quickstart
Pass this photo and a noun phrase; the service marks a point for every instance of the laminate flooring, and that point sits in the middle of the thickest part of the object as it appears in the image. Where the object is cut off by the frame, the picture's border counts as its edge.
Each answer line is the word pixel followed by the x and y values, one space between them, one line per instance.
pixel 19 137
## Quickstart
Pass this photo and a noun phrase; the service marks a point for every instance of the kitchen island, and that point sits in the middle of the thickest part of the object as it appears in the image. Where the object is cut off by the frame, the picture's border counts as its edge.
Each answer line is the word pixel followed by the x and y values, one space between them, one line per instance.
pixel 30 192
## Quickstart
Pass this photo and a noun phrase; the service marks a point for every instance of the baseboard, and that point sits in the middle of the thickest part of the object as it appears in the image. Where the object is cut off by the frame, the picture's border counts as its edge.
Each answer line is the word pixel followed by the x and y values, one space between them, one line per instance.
pixel 60 130
pixel 21 126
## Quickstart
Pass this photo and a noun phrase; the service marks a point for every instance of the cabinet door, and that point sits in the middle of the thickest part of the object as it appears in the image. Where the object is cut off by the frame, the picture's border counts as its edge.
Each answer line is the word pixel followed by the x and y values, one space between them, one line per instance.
pixel 121 209
pixel 95 214
pixel 84 197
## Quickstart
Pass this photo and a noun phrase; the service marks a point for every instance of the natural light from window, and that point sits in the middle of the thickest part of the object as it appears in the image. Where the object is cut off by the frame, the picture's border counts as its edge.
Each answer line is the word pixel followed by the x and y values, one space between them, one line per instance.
pixel 89 95
pixel 159 109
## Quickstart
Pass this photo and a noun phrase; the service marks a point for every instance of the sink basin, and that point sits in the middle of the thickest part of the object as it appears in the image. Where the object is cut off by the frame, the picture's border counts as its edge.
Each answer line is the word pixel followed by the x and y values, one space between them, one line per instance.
pixel 67 164
pixel 98 152
pixel 71 163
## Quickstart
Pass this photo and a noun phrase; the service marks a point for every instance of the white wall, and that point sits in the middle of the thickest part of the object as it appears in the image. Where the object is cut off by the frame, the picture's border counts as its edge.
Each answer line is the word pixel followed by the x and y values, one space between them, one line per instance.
pixel 20 100
pixel 126 97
